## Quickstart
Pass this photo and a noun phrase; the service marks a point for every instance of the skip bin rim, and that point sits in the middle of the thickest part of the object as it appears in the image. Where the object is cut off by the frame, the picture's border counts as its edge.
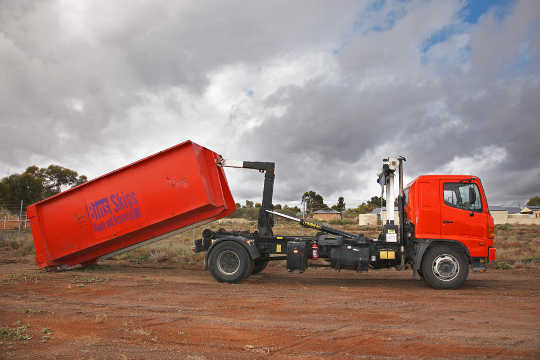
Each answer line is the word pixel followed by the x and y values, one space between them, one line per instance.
pixel 62 193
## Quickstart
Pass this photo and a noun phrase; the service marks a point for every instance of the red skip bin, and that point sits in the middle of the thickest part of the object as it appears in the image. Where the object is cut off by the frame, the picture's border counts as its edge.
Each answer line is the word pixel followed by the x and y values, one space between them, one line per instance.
pixel 169 191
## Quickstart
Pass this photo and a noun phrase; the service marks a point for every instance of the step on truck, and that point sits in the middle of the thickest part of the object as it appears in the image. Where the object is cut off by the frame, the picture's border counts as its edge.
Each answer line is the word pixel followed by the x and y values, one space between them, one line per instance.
pixel 443 229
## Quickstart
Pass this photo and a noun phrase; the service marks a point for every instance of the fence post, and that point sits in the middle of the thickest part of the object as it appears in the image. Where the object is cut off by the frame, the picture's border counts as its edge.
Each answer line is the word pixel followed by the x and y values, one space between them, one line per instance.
pixel 20 216
pixel 303 210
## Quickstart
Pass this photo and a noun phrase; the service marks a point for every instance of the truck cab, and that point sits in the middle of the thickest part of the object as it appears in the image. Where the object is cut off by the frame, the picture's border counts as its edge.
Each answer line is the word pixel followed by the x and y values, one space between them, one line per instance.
pixel 449 211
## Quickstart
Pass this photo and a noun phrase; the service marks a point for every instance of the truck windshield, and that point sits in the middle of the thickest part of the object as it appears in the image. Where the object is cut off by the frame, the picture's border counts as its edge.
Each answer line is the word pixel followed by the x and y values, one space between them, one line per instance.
pixel 464 196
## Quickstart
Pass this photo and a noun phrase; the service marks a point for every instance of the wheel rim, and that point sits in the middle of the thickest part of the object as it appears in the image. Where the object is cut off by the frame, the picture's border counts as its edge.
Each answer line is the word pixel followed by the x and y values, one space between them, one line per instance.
pixel 446 267
pixel 228 262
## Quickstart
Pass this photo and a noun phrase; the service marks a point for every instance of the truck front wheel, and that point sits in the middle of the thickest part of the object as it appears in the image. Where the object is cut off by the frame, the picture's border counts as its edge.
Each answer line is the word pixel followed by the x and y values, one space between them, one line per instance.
pixel 230 262
pixel 445 267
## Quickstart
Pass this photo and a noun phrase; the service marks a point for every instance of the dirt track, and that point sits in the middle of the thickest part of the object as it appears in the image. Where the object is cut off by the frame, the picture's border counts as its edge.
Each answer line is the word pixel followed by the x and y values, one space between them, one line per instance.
pixel 125 312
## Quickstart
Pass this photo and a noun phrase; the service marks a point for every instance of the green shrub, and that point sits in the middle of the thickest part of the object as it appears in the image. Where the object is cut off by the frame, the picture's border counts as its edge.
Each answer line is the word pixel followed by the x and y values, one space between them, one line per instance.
pixel 502 265
pixel 15 333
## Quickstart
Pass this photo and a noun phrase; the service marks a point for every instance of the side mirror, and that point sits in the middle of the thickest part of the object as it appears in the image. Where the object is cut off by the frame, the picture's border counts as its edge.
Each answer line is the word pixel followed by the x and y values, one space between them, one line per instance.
pixel 472 195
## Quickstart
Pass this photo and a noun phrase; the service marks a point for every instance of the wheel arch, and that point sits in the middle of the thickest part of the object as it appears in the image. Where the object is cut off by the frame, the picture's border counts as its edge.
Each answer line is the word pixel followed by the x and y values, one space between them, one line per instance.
pixel 247 244
pixel 423 245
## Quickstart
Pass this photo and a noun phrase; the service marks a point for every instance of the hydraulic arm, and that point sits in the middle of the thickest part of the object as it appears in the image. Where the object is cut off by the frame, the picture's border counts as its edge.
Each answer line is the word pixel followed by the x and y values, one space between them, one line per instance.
pixel 311 225
pixel 265 221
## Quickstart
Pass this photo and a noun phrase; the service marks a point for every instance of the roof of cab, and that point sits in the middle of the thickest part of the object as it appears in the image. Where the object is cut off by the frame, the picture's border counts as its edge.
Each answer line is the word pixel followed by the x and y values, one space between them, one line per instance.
pixel 446 176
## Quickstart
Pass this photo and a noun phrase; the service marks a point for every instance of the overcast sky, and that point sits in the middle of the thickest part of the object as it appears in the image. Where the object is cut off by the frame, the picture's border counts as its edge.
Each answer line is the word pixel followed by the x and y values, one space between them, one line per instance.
pixel 324 88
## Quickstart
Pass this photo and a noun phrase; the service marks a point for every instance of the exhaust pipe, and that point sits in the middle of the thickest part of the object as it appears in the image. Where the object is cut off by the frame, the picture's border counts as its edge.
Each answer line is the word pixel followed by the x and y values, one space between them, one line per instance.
pixel 401 211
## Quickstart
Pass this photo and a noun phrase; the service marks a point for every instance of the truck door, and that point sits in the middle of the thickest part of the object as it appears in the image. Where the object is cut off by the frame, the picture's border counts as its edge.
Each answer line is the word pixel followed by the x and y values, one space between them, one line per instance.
pixel 462 215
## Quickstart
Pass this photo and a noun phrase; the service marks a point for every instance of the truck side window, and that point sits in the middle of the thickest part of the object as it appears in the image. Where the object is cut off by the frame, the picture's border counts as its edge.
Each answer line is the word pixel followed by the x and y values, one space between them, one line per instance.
pixel 464 196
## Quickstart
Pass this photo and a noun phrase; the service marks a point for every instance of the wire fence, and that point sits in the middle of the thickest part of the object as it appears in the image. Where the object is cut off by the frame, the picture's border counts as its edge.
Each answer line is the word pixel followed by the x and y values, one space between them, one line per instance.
pixel 13 216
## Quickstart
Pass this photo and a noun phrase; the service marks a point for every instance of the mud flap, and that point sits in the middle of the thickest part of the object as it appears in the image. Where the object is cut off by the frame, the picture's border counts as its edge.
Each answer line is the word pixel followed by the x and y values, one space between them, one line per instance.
pixel 420 249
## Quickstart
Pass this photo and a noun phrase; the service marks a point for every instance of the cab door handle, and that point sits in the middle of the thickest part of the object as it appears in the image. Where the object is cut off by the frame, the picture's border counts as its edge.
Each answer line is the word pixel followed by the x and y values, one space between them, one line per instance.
pixel 448 222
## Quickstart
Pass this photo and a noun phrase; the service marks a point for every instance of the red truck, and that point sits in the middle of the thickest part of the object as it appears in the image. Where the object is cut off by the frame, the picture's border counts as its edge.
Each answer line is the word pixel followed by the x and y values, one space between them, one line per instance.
pixel 444 225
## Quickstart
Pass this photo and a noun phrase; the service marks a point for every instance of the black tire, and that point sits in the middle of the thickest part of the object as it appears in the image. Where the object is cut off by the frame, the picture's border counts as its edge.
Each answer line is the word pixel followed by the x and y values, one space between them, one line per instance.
pixel 230 262
pixel 445 267
pixel 260 265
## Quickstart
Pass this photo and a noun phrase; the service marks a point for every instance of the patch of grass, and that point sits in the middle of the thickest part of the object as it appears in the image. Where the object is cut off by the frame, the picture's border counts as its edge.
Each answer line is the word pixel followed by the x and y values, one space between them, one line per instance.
pixel 17 244
pixel 195 357
pixel 142 332
pixel 88 280
pixel 19 332
pixel 518 244
pixel 45 338
pixel 47 333
pixel 139 259
pixel 502 265
pixel 342 222
pixel 28 278
pixel 32 311
pixel 257 349
pixel 531 260
pixel 100 318
pixel 176 249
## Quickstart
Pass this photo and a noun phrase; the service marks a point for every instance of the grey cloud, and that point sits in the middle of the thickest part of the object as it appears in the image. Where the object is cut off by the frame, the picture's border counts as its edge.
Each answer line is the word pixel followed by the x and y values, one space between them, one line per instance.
pixel 119 50
pixel 334 126
pixel 76 88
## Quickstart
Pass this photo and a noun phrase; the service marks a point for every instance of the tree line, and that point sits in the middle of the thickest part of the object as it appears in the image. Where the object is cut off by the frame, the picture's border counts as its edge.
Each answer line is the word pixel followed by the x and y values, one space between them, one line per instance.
pixel 36 184
pixel 316 202
pixel 313 202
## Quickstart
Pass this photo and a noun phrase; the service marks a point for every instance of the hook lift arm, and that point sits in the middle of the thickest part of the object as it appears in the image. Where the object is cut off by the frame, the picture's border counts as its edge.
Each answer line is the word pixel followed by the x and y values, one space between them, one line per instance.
pixel 265 221
pixel 324 228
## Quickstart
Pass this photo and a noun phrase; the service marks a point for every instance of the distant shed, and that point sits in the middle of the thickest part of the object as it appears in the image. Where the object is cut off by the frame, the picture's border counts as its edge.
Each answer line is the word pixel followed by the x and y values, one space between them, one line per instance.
pixel 533 210
pixel 327 215
pixel 513 215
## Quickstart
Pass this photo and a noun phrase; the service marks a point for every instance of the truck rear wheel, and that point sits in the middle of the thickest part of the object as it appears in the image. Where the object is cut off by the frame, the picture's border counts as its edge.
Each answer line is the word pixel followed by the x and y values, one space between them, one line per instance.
pixel 260 265
pixel 230 262
pixel 445 267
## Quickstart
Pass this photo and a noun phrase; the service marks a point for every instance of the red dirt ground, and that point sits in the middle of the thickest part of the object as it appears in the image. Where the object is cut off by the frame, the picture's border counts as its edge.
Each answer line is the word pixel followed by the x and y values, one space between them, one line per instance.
pixel 119 311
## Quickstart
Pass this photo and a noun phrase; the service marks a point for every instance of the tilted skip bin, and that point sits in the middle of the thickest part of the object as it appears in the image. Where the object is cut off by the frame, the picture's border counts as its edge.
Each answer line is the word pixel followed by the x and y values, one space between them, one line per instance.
pixel 168 191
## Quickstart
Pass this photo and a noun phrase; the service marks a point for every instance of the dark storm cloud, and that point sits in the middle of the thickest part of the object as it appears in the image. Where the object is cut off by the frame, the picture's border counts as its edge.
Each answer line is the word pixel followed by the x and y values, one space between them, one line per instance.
pixel 439 115
pixel 69 73
pixel 325 91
